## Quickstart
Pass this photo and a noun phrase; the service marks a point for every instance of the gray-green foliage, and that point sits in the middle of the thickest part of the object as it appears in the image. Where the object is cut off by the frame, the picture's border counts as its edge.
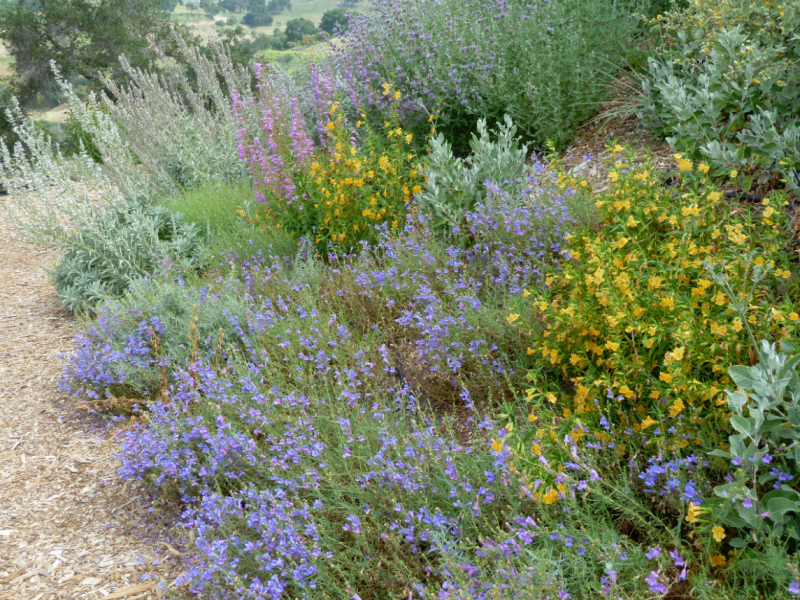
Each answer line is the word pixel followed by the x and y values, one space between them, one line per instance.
pixel 455 185
pixel 766 447
pixel 156 137
pixel 734 106
pixel 128 242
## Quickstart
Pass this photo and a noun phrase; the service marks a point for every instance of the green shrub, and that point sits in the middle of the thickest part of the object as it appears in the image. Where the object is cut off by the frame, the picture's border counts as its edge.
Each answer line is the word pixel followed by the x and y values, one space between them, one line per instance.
pixel 231 221
pixel 726 89
pixel 455 185
pixel 545 65
pixel 765 448
pixel 126 243
pixel 76 139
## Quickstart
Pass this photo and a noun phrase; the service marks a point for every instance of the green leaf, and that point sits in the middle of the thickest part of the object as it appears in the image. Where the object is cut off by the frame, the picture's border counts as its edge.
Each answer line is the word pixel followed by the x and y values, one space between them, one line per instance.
pixel 742 376
pixel 743 425
pixel 736 401
pixel 778 507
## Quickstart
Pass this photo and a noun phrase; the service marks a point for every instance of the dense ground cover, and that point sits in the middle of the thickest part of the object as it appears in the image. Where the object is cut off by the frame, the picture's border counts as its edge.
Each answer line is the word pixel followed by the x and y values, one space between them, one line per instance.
pixel 404 357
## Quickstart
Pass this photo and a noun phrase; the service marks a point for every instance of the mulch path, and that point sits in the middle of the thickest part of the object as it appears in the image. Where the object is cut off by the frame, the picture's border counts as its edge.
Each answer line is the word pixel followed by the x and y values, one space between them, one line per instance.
pixel 69 526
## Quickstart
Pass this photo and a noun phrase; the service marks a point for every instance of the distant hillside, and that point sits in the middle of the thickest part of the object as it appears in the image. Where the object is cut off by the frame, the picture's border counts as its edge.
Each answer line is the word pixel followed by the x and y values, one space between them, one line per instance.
pixel 200 22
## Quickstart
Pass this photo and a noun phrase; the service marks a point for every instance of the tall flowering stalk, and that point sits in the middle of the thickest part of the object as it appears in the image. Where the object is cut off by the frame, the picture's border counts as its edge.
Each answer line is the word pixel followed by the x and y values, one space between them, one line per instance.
pixel 279 151
pixel 337 190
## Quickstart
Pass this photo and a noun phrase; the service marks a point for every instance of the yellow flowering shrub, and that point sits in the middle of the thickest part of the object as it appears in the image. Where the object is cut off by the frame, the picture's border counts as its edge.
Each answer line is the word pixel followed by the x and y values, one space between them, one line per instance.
pixel 705 19
pixel 362 181
pixel 337 188
pixel 635 324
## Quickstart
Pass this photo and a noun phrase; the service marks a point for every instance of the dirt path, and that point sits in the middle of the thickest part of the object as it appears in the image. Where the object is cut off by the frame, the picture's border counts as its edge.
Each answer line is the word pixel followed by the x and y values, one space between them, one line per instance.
pixel 69 527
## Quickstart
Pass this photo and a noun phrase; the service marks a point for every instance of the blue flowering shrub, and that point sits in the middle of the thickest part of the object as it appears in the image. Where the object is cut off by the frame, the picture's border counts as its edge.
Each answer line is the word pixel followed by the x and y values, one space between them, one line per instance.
pixel 329 443
pixel 545 64
pixel 330 430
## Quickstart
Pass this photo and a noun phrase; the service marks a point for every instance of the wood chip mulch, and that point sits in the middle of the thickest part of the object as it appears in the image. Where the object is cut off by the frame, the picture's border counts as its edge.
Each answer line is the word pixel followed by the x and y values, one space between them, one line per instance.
pixel 69 526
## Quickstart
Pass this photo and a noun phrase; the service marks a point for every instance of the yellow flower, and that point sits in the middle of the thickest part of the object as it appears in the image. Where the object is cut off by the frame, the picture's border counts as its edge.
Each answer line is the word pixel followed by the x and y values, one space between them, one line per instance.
pixel 675 356
pixel 330 126
pixel 703 168
pixel 685 165
pixel 714 196
pixel 551 398
pixel 416 189
pixel 737 325
pixel 409 137
pixel 612 345
pixel 690 211
pixel 718 329
pixel 497 446
pixel 736 236
pixel 626 391
pixel 648 422
pixel 718 533
pixel 397 95
pixel 793 316
pixel 512 317
pixel 617 149
pixel 665 377
pixel 718 560
pixel 734 174
pixel 613 176
pixel 676 408
pixel 693 513
pixel 632 222
pixel 551 496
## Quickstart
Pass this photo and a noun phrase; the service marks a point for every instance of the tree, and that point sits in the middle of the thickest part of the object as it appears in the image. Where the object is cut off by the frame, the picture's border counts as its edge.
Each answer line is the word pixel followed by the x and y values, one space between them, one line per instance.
pixel 235 5
pixel 297 28
pixel 210 8
pixel 257 14
pixel 83 37
pixel 169 5
pixel 278 6
pixel 334 21
pixel 257 19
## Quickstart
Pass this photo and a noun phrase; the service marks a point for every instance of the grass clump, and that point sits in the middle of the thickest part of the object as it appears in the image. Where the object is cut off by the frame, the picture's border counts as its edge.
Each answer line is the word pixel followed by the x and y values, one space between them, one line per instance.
pixel 232 222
